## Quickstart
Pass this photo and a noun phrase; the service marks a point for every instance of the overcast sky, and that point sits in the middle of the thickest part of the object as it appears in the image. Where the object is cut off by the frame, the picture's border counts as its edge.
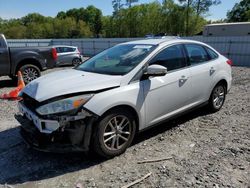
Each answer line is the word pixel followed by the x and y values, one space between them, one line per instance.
pixel 19 8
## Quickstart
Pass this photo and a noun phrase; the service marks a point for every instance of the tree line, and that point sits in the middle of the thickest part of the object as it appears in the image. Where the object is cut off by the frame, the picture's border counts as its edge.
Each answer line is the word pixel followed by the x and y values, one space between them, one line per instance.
pixel 129 19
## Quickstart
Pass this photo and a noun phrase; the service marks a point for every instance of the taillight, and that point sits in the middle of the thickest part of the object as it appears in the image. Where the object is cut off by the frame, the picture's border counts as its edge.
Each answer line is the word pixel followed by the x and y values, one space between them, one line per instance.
pixel 54 53
pixel 230 62
pixel 78 52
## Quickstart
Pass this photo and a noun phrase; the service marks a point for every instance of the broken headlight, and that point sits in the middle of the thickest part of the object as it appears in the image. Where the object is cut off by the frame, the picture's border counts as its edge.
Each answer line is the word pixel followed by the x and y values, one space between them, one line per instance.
pixel 64 105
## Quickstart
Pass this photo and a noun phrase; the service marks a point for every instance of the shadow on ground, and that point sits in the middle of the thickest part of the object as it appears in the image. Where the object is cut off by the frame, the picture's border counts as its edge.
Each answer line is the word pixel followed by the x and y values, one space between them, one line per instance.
pixel 19 164
pixel 170 124
pixel 7 83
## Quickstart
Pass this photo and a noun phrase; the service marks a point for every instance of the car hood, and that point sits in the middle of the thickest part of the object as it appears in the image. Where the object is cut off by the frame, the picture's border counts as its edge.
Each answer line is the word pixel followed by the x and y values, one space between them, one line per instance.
pixel 69 82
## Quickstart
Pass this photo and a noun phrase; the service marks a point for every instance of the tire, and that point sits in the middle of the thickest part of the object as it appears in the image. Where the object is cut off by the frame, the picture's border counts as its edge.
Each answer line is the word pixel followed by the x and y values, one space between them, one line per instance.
pixel 29 72
pixel 76 61
pixel 120 128
pixel 217 98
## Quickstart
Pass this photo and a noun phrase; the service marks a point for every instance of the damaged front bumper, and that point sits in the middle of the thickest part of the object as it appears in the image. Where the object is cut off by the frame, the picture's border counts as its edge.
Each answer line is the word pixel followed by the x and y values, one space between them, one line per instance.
pixel 70 133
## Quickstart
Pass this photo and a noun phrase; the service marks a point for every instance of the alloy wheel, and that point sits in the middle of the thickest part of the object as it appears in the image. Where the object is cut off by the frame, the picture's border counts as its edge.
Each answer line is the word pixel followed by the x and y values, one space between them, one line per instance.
pixel 30 74
pixel 218 97
pixel 76 62
pixel 117 132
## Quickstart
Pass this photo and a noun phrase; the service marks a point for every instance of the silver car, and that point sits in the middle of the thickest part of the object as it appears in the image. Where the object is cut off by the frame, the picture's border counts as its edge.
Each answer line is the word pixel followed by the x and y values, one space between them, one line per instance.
pixel 68 55
pixel 126 89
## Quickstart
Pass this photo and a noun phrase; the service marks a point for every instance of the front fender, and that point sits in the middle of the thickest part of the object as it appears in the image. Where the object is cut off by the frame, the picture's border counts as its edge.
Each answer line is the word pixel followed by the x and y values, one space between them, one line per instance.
pixel 131 95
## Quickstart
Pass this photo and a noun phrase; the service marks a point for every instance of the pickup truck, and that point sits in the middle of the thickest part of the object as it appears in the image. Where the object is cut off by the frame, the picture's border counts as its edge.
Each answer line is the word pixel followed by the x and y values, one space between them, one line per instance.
pixel 29 60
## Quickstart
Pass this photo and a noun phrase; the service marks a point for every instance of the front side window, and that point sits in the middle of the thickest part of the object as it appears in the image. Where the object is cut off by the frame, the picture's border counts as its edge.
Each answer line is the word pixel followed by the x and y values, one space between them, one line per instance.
pixel 172 58
pixel 196 54
pixel 118 60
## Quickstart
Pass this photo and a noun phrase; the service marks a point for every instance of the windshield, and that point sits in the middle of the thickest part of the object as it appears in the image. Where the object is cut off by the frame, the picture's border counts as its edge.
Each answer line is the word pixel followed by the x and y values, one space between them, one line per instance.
pixel 118 60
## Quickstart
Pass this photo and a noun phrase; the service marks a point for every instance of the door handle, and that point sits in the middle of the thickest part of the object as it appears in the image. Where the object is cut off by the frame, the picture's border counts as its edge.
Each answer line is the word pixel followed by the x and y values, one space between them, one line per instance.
pixel 183 78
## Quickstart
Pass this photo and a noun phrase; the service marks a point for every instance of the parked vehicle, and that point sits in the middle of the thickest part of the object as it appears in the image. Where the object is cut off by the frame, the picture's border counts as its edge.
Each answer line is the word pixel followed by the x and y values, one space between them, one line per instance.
pixel 227 29
pixel 104 102
pixel 68 55
pixel 29 60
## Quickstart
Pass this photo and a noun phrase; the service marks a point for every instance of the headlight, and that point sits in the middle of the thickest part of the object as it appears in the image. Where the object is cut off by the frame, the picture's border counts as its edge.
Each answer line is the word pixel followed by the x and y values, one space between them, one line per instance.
pixel 63 105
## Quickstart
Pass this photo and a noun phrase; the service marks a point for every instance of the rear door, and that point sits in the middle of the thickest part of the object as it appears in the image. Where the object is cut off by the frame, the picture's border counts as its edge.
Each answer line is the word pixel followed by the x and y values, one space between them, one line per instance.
pixel 169 94
pixel 66 55
pixel 201 72
pixel 69 55
pixel 4 59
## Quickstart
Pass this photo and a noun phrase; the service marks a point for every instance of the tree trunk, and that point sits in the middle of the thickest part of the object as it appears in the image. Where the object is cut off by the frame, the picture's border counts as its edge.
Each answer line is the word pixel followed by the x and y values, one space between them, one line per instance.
pixel 187 18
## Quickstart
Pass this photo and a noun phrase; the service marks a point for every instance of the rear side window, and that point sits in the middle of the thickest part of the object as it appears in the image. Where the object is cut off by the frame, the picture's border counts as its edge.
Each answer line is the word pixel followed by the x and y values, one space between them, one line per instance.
pixel 172 58
pixel 65 49
pixel 196 54
pixel 212 54
pixel 70 49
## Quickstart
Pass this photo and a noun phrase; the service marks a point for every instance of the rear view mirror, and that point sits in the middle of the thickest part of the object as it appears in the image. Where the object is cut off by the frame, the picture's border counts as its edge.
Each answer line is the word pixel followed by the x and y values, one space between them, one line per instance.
pixel 156 70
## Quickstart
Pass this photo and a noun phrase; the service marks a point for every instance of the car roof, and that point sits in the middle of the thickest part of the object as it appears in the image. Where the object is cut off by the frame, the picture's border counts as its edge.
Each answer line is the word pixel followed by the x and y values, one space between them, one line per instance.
pixel 152 41
pixel 157 41
pixel 56 46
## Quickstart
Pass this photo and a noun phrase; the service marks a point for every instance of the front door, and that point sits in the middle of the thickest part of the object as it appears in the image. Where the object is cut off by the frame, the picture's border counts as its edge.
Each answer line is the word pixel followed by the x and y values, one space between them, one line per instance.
pixel 4 59
pixel 169 94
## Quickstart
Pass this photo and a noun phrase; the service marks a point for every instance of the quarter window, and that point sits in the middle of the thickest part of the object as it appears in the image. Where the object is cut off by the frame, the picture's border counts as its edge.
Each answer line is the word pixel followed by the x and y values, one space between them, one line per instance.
pixel 172 58
pixel 196 54
pixel 212 54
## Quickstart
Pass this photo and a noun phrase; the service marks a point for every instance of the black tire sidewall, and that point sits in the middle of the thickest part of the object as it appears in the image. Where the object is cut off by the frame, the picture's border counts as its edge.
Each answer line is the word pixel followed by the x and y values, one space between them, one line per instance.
pixel 98 144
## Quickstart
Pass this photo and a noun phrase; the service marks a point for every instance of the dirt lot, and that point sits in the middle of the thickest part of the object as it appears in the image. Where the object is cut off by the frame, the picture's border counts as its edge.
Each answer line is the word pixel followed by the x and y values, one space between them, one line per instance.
pixel 208 150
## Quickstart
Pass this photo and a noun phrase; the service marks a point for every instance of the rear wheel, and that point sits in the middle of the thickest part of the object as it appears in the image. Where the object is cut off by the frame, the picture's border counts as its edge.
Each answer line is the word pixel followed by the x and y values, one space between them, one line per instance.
pixel 217 97
pixel 114 133
pixel 76 61
pixel 30 72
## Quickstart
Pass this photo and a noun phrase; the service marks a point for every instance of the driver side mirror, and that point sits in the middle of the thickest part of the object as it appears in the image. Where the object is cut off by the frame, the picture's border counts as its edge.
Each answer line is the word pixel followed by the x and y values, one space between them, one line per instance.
pixel 156 70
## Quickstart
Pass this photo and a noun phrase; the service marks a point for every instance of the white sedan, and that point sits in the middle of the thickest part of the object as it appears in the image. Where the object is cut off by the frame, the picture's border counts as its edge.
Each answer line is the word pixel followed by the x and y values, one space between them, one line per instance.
pixel 103 103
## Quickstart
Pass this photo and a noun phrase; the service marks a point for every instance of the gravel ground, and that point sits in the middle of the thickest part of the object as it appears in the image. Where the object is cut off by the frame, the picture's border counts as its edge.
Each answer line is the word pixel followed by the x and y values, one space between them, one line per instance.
pixel 207 150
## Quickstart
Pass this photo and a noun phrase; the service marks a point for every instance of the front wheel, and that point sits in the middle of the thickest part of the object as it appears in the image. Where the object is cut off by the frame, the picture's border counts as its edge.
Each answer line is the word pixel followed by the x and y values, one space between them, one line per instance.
pixel 29 73
pixel 114 133
pixel 217 97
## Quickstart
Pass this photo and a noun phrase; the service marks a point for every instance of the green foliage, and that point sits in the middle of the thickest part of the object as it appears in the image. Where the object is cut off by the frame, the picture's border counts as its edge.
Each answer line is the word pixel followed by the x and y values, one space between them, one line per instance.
pixel 93 17
pixel 68 24
pixel 240 12
pixel 139 20
pixel 168 17
pixel 195 8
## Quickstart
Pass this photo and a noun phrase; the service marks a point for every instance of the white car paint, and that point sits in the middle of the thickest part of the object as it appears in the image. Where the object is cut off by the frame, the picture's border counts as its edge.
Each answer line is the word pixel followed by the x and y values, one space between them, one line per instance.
pixel 69 81
pixel 154 99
